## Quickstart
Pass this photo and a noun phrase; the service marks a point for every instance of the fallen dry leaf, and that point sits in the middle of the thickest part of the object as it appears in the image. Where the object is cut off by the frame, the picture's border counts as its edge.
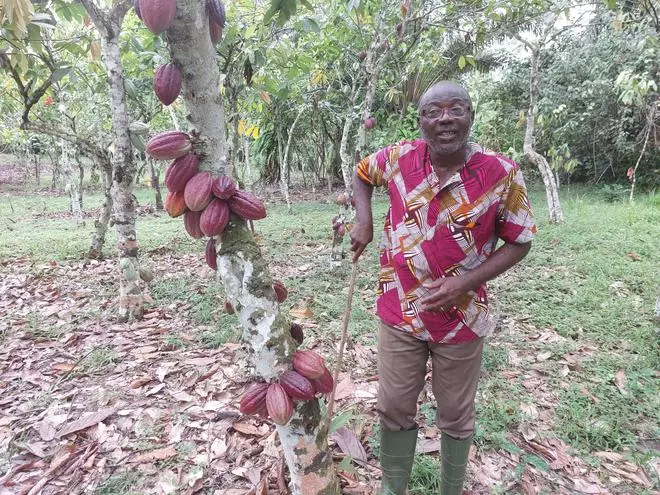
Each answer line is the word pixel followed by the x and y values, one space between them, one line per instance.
pixel 620 381
pixel 86 421
pixel 349 444
pixel 154 455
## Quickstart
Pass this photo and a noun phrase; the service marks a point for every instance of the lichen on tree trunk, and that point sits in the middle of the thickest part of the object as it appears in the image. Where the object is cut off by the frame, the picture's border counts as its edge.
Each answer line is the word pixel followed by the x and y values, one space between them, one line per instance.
pixel 241 267
pixel 101 224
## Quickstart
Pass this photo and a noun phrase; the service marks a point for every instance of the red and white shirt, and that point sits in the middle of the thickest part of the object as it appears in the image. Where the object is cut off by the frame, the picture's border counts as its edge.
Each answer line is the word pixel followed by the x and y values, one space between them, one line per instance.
pixel 435 230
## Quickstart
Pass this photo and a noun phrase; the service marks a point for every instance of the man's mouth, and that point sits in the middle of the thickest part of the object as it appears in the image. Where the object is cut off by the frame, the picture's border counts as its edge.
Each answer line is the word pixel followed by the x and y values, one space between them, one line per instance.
pixel 446 135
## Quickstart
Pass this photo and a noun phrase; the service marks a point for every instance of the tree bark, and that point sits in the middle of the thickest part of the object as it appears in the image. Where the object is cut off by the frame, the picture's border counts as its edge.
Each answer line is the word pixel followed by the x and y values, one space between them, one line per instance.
pixel 101 224
pixel 551 192
pixel 241 267
pixel 71 180
pixel 155 184
pixel 286 167
pixel 131 300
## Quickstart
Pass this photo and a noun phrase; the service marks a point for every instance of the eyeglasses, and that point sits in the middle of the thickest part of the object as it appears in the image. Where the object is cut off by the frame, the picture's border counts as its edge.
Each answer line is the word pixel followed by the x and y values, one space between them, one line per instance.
pixel 455 111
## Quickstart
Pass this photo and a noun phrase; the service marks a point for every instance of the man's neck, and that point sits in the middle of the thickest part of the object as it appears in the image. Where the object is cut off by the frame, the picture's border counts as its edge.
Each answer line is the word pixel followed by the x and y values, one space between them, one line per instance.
pixel 444 164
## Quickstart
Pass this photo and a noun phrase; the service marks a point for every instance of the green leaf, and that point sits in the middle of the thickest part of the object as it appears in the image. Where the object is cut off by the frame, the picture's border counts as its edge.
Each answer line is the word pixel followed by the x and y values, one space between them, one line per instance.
pixel 340 420
pixel 310 25
pixel 59 74
pixel 305 3
pixel 461 62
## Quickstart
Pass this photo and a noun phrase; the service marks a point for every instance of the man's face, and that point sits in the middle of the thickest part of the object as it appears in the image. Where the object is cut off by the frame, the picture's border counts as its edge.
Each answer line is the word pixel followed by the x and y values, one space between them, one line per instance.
pixel 445 122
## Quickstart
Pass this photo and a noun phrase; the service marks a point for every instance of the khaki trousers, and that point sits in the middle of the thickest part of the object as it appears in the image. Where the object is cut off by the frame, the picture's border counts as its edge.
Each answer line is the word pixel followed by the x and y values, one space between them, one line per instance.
pixel 401 369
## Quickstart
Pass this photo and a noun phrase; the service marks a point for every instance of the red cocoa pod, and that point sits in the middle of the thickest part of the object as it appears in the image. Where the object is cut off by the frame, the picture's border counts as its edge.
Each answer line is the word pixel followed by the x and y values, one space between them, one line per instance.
pixel 175 204
pixel 336 225
pixel 197 192
pixel 216 11
pixel 223 187
pixel 157 15
pixel 280 291
pixel 296 386
pixel 325 384
pixel 297 333
pixel 169 145
pixel 211 255
pixel 181 171
pixel 167 83
pixel 341 230
pixel 215 217
pixel 254 399
pixel 191 223
pixel 215 31
pixel 362 55
pixel 308 363
pixel 246 205
pixel 279 404
pixel 369 123
pixel 229 308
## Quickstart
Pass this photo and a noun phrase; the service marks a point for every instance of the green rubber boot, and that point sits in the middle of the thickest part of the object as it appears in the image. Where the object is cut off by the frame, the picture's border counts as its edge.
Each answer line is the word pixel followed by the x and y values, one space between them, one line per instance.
pixel 454 455
pixel 397 452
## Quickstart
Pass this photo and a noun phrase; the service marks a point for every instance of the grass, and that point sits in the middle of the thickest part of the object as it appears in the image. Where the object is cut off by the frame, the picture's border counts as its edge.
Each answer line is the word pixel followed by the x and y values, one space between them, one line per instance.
pixel 119 484
pixel 592 280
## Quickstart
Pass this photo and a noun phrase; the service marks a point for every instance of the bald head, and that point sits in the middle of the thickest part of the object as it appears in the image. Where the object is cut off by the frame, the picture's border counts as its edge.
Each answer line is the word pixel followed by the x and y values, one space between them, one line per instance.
pixel 444 90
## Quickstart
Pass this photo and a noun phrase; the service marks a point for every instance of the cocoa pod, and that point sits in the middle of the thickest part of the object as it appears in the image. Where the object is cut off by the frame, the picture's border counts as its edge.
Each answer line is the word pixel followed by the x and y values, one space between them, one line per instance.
pixel 197 192
pixel 157 15
pixel 211 255
pixel 308 363
pixel 341 230
pixel 280 291
pixel 224 187
pixel 181 171
pixel 278 404
pixel 296 386
pixel 167 83
pixel 369 123
pixel 217 12
pixel 246 205
pixel 191 223
pixel 297 333
pixel 175 204
pixel 136 7
pixel 169 145
pixel 341 199
pixel 325 383
pixel 215 217
pixel 362 55
pixel 254 399
pixel 215 31
pixel 146 274
pixel 229 308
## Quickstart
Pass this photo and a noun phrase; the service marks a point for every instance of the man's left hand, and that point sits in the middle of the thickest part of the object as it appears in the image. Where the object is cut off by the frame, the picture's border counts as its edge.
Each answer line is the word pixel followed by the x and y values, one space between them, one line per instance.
pixel 444 294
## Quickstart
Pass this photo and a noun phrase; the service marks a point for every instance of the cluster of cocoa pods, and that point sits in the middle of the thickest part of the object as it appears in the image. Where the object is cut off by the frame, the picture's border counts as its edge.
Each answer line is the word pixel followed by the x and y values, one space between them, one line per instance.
pixel 338 225
pixel 158 15
pixel 205 202
pixel 308 377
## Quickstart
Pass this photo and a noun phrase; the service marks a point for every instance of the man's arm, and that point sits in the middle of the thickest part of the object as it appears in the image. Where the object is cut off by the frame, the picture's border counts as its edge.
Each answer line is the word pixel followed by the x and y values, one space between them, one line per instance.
pixel 362 232
pixel 445 292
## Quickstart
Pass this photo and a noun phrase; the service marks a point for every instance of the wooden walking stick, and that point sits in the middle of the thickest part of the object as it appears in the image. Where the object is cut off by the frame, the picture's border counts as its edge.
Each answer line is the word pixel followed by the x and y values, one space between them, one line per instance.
pixel 342 343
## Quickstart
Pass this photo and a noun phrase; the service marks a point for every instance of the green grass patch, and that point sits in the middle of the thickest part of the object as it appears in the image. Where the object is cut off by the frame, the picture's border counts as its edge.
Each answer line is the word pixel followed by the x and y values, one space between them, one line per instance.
pixel 120 484
pixel 425 478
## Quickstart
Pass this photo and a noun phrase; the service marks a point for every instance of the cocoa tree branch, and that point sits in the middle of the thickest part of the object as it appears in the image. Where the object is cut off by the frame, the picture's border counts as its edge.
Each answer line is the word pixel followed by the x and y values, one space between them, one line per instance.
pixel 82 143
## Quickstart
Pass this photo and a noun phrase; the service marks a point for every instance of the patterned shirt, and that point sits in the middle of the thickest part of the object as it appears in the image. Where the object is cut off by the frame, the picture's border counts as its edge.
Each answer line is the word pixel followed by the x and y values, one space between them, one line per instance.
pixel 435 230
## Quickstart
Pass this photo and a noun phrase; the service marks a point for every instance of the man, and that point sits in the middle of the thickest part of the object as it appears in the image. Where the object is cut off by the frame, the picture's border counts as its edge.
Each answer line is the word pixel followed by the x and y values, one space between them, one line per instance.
pixel 450 202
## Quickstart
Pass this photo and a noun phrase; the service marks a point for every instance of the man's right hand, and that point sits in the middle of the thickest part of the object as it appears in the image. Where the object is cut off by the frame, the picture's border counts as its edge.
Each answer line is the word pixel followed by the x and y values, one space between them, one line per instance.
pixel 362 234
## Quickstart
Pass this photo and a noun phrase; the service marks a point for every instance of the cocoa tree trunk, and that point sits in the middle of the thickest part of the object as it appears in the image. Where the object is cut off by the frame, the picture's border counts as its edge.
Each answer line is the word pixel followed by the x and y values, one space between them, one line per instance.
pixel 131 300
pixel 68 159
pixel 286 166
pixel 101 224
pixel 155 184
pixel 241 267
pixel 551 192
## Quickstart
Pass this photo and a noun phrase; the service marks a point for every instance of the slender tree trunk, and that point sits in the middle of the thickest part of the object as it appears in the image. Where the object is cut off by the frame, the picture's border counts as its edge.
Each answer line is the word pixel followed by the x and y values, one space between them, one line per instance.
pixel 101 224
pixel 241 267
pixel 68 159
pixel 551 191
pixel 131 300
pixel 81 179
pixel 286 177
pixel 347 160
pixel 650 120
pixel 155 183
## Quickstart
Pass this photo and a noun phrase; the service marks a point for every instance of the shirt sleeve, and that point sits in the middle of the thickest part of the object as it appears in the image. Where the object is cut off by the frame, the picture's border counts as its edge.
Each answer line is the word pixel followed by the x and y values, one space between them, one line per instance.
pixel 515 221
pixel 375 168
